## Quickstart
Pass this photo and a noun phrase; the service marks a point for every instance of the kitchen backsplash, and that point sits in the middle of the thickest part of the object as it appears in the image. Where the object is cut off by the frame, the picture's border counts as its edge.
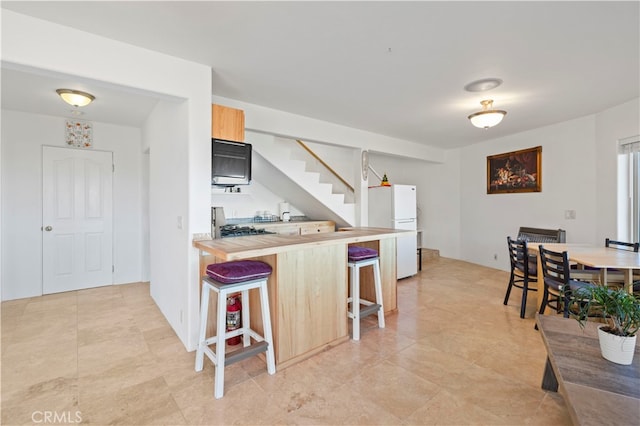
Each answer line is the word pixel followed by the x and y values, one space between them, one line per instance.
pixel 252 200
pixel 254 219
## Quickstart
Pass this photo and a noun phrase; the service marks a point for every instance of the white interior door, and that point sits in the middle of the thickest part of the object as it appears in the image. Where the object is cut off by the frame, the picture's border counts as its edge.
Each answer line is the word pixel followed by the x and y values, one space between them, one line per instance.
pixel 77 228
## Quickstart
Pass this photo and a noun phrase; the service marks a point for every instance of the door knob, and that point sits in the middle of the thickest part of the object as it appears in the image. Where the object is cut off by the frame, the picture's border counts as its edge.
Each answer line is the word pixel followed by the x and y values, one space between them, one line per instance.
pixel 48 228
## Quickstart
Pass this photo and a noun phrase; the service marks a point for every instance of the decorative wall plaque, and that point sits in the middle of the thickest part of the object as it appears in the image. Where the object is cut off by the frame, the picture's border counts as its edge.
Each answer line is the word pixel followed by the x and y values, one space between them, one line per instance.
pixel 79 133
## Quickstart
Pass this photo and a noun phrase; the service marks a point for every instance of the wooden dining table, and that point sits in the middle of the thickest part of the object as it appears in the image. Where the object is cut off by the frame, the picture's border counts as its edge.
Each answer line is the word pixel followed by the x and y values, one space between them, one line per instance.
pixel 603 258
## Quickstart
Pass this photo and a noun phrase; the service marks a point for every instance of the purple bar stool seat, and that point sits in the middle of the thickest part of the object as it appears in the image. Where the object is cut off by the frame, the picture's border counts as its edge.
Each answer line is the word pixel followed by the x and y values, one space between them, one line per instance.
pixel 360 257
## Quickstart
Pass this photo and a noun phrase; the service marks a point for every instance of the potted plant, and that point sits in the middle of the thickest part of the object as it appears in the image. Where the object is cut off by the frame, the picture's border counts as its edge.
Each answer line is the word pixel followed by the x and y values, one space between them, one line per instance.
pixel 620 311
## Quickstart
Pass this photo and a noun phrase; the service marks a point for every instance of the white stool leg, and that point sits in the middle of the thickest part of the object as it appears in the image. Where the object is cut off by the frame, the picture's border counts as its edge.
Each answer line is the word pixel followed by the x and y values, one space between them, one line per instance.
pixel 218 390
pixel 378 286
pixel 246 319
pixel 266 324
pixel 204 310
pixel 355 300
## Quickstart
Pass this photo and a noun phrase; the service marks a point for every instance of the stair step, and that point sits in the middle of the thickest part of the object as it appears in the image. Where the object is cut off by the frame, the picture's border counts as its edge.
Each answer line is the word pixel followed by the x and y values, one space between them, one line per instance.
pixel 338 198
pixel 281 154
pixel 294 166
pixel 430 253
pixel 325 188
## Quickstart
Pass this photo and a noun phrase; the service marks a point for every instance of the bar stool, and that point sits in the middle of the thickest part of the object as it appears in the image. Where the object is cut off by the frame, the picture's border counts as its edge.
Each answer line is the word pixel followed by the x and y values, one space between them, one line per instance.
pixel 224 279
pixel 360 257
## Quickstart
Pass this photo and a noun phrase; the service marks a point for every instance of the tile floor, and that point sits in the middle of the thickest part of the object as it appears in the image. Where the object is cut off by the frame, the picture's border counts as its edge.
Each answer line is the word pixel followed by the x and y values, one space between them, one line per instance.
pixel 453 354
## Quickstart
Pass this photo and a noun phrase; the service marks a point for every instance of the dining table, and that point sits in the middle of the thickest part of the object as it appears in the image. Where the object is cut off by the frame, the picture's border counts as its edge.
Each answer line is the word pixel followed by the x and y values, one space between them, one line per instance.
pixel 605 259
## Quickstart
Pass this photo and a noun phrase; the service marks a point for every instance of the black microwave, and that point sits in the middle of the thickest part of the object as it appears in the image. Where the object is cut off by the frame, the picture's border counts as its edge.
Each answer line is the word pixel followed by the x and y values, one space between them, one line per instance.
pixel 230 163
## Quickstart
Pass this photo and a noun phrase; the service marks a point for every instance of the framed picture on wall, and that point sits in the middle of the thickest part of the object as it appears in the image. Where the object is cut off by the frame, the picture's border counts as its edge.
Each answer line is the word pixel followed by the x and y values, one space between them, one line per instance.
pixel 517 171
pixel 79 133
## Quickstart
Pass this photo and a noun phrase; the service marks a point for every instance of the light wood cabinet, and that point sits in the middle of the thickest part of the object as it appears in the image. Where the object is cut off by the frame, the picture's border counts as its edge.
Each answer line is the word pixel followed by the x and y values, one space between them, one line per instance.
pixel 227 123
pixel 317 227
pixel 308 285
pixel 311 304
pixel 298 228
pixel 285 230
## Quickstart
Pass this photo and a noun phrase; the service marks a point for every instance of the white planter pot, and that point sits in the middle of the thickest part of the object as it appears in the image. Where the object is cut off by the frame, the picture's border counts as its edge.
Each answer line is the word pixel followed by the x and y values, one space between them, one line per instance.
pixel 617 349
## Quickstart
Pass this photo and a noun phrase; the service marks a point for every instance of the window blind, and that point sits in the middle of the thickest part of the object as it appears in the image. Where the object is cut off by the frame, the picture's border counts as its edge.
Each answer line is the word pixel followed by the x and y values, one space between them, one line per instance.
pixel 629 188
pixel 629 145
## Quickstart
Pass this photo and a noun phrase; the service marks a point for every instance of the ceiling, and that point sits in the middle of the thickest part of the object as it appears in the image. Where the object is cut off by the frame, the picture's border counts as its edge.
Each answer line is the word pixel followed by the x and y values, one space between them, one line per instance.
pixel 35 91
pixel 393 68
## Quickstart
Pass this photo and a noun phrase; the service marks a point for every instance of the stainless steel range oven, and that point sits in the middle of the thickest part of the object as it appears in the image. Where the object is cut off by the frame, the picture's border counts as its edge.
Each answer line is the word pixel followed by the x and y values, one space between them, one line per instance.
pixel 240 231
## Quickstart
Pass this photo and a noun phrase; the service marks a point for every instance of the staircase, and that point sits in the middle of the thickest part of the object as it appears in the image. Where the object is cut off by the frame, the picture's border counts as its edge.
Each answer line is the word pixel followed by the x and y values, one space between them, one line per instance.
pixel 275 167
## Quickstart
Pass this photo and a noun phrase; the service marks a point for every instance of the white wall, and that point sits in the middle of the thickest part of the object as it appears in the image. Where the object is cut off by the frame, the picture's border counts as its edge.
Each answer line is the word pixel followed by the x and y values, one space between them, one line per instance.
pixel 146 237
pixel 279 123
pixel 437 195
pixel 334 137
pixel 568 161
pixel 613 124
pixel 169 192
pixel 23 136
pixel 578 173
pixel 39 44
pixel 252 198
pixel 256 197
pixel 456 214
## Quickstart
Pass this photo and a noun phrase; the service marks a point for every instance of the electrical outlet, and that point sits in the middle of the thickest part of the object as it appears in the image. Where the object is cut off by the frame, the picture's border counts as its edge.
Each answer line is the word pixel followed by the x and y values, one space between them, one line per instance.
pixel 179 222
pixel 569 214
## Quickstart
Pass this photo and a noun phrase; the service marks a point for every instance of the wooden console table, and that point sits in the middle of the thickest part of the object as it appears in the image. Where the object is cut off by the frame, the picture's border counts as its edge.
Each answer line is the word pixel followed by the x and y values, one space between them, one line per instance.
pixel 595 390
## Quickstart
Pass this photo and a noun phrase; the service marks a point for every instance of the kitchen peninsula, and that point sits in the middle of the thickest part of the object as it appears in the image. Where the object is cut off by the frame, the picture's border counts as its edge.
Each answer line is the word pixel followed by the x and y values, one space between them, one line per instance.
pixel 309 283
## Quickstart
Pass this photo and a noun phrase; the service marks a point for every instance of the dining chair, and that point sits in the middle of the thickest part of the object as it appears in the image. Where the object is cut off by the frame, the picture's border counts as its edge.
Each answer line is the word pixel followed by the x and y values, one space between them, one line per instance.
pixel 524 270
pixel 614 275
pixel 558 284
pixel 622 245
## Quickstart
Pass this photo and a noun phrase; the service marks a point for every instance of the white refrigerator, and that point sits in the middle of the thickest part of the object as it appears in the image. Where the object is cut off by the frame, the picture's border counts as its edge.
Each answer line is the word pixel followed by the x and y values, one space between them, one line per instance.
pixel 395 207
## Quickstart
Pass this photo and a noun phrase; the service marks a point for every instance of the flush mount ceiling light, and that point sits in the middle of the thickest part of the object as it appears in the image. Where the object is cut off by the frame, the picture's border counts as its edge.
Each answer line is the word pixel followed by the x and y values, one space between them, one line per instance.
pixel 75 97
pixel 488 117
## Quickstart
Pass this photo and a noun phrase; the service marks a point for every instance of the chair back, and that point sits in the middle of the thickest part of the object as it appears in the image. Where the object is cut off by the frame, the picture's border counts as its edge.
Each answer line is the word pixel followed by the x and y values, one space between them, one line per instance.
pixel 519 257
pixel 555 267
pixel 622 245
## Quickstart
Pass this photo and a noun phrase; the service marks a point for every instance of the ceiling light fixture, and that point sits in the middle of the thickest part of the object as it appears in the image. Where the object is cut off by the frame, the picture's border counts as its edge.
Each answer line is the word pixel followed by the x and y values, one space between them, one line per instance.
pixel 488 117
pixel 75 97
pixel 483 85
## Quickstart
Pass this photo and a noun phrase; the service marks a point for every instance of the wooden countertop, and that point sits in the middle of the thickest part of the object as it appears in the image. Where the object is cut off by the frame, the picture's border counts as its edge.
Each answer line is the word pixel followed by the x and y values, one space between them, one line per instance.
pixel 262 245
